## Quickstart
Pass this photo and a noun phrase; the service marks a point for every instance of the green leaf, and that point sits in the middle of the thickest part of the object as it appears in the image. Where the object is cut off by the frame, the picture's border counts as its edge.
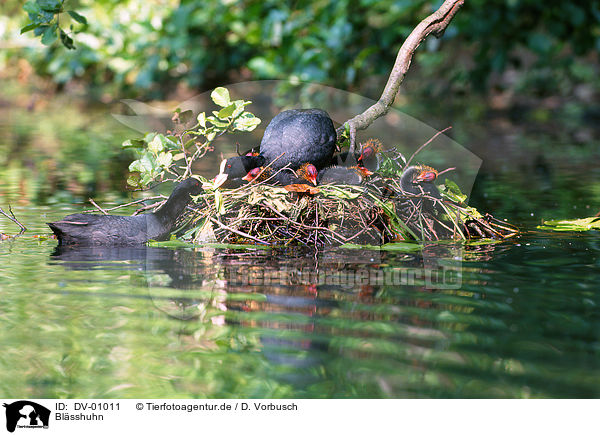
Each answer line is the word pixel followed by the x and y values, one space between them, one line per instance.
pixel 210 134
pixel 583 224
pixel 217 122
pixel 451 191
pixel 147 162
pixel 202 119
pixel 77 17
pixel 246 122
pixel 31 7
pixel 165 159
pixel 186 116
pixel 156 145
pixel 29 27
pixel 220 206
pixel 49 35
pixel 66 40
pixel 146 178
pixel 50 5
pixel 38 31
pixel 149 137
pixel 221 97
pixel 226 112
pixel 133 143
pixel 135 166
pixel 339 192
pixel 133 180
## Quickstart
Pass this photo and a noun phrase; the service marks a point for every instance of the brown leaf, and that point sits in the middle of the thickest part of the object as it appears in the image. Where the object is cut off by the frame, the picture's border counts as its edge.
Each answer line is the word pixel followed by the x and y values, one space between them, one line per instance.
pixel 302 188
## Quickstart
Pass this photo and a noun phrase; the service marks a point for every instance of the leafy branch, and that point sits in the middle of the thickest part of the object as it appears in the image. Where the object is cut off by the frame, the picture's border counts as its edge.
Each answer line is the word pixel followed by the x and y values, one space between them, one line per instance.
pixel 173 154
pixel 44 20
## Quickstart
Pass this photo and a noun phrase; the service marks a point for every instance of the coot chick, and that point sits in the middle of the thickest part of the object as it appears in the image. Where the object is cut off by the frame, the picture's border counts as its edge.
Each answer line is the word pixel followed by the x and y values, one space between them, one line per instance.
pixel 239 166
pixel 418 180
pixel 369 155
pixel 90 229
pixel 301 135
pixel 306 174
pixel 234 170
pixel 353 175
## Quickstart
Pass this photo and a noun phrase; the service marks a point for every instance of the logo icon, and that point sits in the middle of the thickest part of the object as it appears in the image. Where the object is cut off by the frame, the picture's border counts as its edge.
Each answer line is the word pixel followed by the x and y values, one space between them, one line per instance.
pixel 26 414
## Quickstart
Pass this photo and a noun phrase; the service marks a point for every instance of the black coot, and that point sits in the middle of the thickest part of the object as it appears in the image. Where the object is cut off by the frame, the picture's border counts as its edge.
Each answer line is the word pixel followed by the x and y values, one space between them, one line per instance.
pixel 304 135
pixel 292 138
pixel 90 229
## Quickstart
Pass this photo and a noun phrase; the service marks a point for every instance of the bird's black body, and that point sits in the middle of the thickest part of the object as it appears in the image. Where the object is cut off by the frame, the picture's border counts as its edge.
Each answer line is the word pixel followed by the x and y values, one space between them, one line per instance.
pixel 301 135
pixel 90 229
pixel 340 175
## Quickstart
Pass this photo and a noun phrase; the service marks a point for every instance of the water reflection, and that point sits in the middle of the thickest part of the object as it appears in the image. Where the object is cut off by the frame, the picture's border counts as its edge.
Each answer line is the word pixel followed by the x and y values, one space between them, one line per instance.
pixel 522 321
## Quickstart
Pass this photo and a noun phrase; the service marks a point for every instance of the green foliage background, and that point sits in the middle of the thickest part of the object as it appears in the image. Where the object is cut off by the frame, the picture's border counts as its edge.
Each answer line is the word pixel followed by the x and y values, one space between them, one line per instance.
pixel 140 48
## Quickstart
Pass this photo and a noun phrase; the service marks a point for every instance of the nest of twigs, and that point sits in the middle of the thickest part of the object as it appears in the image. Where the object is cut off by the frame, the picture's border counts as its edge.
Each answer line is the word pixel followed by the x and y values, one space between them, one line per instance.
pixel 372 214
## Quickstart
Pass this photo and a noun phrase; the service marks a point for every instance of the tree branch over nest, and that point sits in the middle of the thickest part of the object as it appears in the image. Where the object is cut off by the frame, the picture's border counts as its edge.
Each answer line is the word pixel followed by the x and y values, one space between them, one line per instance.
pixel 435 23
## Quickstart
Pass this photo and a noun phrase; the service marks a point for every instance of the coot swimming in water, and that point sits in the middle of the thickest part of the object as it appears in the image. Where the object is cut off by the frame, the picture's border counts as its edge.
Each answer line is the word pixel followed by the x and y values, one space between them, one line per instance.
pixel 90 229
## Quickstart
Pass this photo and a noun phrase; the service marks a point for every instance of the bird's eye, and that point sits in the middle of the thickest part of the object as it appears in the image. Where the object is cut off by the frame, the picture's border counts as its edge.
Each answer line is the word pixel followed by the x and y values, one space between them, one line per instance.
pixel 229 166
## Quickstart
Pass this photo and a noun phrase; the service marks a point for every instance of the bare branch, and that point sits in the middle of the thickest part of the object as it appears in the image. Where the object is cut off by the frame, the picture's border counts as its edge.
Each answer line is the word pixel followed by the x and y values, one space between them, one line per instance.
pixel 435 23
pixel 14 219
pixel 104 212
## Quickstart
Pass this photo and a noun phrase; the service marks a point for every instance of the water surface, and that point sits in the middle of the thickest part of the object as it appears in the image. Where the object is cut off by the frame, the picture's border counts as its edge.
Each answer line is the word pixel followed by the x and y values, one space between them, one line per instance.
pixel 517 319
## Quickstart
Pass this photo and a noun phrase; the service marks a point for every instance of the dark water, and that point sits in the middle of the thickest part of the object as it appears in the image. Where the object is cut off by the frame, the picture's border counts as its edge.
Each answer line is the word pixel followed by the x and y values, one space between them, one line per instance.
pixel 508 320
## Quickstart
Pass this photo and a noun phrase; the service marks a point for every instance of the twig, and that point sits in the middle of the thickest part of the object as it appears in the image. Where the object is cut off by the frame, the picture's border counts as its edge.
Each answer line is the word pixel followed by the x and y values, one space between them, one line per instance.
pixel 435 23
pixel 14 219
pixel 97 206
pixel 424 145
pixel 148 207
pixel 308 227
pixel 445 170
pixel 130 203
pixel 239 233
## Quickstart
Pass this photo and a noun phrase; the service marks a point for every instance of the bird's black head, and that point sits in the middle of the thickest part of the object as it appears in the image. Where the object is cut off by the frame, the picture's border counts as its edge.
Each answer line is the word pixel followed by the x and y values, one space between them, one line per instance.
pixel 192 186
pixel 238 167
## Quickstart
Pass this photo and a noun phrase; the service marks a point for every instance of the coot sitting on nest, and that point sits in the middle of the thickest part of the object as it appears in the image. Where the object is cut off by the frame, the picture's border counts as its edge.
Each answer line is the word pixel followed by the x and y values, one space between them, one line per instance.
pixel 292 138
pixel 90 229
pixel 301 135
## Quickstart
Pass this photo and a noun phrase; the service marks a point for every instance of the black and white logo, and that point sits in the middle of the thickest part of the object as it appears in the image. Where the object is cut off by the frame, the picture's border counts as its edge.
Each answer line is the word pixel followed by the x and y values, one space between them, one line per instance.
pixel 26 414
